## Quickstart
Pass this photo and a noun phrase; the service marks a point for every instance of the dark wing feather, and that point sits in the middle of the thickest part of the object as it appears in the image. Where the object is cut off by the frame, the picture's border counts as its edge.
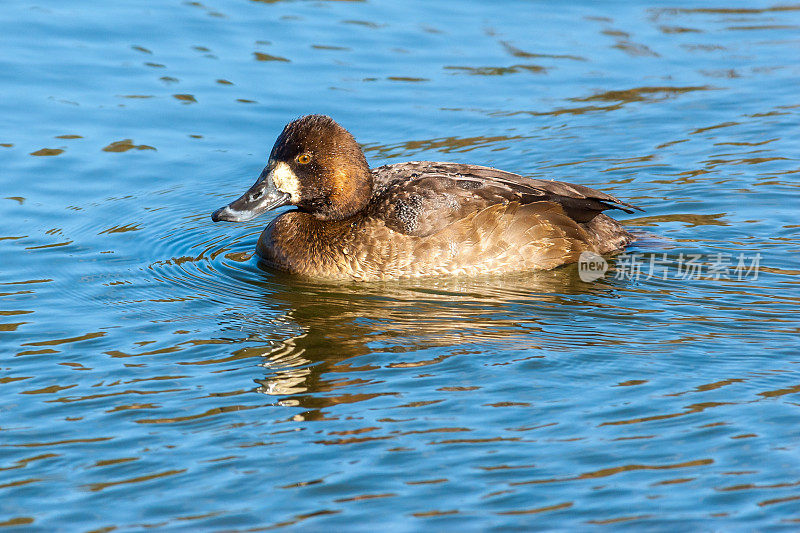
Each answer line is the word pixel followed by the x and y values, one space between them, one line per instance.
pixel 421 198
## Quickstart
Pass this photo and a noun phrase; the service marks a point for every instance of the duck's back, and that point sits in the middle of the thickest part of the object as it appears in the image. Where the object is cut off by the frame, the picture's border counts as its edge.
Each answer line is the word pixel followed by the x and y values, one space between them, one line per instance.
pixel 423 198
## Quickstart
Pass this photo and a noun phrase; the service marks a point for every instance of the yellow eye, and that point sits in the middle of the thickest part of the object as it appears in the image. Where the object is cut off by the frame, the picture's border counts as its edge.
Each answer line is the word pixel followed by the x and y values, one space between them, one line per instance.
pixel 304 158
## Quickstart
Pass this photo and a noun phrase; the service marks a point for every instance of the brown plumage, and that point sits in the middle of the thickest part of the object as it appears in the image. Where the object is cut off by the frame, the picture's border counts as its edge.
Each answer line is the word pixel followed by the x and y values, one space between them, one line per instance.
pixel 417 218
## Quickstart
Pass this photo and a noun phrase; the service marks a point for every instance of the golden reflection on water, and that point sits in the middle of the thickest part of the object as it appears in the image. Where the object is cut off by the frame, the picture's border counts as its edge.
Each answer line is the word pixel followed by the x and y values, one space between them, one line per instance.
pixel 125 145
pixel 48 152
pixel 446 145
pixel 342 322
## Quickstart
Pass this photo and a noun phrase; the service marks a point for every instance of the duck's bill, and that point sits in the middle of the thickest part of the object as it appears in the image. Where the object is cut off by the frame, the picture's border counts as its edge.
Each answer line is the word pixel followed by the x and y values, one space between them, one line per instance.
pixel 261 197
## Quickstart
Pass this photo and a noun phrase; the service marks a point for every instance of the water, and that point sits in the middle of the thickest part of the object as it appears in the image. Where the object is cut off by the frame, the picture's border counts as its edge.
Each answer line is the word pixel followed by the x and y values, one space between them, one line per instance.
pixel 152 375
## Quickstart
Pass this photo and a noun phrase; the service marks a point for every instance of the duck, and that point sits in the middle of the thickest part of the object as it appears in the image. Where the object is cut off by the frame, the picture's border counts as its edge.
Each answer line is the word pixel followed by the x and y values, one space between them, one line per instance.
pixel 414 219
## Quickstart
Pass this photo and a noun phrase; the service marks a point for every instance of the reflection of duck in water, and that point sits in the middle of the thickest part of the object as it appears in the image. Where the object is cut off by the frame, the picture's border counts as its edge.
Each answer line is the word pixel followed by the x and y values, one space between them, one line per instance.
pixel 411 324
pixel 413 219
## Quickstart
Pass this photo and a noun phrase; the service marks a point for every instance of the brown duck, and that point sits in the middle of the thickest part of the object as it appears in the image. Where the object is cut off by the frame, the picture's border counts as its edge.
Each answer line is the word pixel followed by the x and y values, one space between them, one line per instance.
pixel 413 219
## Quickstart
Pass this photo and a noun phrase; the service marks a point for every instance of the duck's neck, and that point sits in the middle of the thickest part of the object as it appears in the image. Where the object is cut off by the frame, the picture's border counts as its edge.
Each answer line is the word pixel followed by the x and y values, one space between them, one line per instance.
pixel 348 195
pixel 314 229
pixel 304 244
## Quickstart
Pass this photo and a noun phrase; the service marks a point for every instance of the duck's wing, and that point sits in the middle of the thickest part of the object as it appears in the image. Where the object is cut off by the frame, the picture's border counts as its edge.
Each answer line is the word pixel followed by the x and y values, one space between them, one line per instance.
pixel 420 197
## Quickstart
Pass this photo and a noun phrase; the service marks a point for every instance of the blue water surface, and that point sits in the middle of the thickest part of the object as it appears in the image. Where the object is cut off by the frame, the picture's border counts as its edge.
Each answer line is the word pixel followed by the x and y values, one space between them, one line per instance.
pixel 152 375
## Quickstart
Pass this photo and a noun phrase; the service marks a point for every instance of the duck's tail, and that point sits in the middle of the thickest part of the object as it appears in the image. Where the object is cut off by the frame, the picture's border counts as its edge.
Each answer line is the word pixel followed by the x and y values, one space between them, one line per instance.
pixel 607 235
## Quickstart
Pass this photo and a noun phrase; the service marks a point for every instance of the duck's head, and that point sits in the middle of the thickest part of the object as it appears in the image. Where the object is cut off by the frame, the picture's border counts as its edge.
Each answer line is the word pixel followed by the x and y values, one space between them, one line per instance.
pixel 315 165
